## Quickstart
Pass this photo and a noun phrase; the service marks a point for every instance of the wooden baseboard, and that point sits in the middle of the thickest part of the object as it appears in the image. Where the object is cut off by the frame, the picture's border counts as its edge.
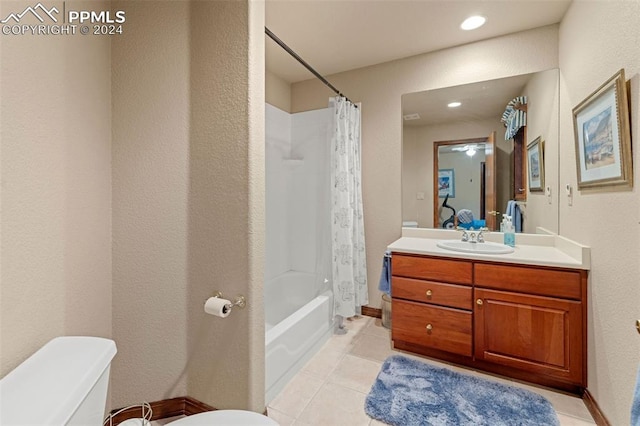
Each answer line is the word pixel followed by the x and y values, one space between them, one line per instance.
pixel 372 312
pixel 180 406
pixel 193 406
pixel 594 409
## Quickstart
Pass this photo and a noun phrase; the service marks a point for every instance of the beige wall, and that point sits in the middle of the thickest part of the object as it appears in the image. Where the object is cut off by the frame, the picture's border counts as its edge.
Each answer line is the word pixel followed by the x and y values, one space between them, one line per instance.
pixel 542 120
pixel 277 91
pixel 187 120
pixel 606 221
pixel 151 110
pixel 380 88
pixel 226 227
pixel 55 99
pixel 188 202
pixel 417 171
pixel 412 182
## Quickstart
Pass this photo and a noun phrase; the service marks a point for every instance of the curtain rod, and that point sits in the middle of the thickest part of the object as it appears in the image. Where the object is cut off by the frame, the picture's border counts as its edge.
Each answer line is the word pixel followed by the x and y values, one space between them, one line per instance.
pixel 304 63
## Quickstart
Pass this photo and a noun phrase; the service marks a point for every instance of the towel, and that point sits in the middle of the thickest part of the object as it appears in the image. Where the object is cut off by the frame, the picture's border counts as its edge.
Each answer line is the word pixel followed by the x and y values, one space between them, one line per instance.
pixel 385 277
pixel 635 405
pixel 513 210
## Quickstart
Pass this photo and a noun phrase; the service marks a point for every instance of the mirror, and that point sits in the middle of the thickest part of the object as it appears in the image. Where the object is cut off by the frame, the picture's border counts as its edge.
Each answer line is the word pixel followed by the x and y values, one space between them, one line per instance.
pixel 462 152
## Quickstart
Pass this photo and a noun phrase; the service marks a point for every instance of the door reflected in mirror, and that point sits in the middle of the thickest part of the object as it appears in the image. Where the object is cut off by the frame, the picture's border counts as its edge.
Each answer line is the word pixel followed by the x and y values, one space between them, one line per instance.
pixel 470 163
pixel 463 152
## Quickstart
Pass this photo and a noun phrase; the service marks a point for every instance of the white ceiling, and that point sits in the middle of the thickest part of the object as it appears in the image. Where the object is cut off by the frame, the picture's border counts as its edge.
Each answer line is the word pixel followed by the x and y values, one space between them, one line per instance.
pixel 341 35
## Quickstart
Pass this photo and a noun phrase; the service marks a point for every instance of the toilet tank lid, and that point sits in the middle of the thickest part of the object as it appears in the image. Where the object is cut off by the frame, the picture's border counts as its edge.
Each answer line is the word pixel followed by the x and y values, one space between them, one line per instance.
pixel 48 387
pixel 409 224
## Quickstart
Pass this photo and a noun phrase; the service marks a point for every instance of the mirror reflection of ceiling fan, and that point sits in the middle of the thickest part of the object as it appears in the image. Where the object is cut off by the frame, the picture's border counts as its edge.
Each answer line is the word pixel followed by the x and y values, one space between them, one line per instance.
pixel 469 149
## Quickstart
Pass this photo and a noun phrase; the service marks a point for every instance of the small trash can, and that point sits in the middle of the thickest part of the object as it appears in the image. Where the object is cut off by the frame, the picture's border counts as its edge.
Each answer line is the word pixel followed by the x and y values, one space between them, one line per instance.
pixel 386 311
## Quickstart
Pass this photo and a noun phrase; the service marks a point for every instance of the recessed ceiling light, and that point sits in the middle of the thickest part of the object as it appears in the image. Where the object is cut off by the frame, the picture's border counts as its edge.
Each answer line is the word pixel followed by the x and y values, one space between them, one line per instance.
pixel 454 104
pixel 471 151
pixel 473 22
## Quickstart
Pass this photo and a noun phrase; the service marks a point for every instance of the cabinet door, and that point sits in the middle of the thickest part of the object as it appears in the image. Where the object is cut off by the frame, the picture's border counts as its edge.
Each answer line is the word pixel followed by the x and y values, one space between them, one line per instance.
pixel 542 335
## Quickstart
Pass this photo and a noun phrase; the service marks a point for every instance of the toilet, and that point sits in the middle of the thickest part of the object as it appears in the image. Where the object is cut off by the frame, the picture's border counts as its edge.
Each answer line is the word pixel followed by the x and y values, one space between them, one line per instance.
pixel 66 383
pixel 226 418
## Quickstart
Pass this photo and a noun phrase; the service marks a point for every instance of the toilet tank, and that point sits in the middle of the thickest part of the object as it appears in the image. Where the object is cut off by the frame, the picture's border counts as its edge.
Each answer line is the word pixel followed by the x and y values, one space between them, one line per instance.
pixel 63 383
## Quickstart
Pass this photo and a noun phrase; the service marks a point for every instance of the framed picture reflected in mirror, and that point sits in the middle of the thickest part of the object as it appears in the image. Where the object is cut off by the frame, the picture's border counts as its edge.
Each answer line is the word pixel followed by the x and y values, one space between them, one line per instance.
pixel 446 183
pixel 535 165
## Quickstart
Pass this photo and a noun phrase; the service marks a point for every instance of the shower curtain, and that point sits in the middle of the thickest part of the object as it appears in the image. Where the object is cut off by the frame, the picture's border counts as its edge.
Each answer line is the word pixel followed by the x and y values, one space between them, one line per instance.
pixel 349 264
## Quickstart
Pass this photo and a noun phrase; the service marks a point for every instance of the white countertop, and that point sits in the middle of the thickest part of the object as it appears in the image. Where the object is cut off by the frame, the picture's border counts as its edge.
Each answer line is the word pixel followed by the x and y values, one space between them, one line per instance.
pixel 531 249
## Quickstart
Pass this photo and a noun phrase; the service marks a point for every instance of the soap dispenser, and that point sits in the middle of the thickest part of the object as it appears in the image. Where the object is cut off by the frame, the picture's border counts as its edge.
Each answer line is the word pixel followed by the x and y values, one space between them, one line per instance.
pixel 509 232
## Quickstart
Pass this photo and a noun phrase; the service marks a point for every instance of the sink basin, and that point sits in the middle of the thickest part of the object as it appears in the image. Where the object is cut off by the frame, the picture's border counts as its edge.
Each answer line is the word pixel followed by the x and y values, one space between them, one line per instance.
pixel 477 248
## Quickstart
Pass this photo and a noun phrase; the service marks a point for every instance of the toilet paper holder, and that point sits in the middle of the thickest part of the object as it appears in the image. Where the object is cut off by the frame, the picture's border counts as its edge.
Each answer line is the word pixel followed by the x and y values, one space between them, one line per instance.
pixel 240 300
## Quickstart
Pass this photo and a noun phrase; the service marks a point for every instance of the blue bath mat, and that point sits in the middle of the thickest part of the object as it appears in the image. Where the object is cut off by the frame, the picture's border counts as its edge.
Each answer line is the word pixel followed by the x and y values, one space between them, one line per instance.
pixel 409 392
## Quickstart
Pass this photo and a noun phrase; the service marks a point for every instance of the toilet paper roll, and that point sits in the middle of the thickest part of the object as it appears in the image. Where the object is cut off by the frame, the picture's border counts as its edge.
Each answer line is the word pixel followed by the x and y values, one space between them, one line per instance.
pixel 217 306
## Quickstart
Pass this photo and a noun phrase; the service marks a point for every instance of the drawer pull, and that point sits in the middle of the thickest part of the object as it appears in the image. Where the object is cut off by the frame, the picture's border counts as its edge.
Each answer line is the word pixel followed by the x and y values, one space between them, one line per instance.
pixel 479 301
pixel 429 293
pixel 429 328
pixel 638 325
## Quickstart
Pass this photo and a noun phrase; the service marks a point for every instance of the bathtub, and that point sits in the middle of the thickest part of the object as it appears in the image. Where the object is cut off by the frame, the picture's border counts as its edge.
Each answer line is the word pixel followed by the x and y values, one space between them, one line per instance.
pixel 298 323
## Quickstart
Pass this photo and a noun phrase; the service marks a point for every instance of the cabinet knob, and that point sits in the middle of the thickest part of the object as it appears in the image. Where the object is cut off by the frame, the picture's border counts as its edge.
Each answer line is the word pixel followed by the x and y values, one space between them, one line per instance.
pixel 479 301
pixel 429 293
pixel 429 327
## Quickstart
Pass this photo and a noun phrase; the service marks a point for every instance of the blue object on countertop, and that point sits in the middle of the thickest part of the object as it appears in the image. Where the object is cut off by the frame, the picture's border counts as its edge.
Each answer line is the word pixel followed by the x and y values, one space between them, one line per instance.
pixel 479 223
pixel 466 220
pixel 635 405
pixel 476 224
pixel 385 276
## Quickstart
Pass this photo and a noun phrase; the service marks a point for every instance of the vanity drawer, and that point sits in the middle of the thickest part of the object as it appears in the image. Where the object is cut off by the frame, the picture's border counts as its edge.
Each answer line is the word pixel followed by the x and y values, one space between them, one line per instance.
pixel 428 268
pixel 522 279
pixel 434 327
pixel 455 296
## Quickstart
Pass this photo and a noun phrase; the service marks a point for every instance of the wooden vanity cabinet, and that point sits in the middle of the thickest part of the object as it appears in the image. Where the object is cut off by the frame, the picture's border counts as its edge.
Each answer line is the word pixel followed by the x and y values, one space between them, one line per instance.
pixel 429 311
pixel 521 321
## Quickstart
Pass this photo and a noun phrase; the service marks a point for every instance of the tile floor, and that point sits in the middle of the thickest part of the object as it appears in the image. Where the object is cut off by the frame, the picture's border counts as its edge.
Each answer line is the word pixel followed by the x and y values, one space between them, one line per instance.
pixel 330 390
pixel 332 387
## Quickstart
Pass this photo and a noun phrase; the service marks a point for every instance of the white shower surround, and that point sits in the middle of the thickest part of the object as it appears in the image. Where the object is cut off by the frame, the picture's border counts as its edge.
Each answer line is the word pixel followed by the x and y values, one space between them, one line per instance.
pixel 298 306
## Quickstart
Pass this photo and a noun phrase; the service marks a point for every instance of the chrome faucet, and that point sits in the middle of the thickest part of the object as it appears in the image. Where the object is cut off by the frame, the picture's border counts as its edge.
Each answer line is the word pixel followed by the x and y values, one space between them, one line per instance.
pixel 465 234
pixel 471 236
pixel 480 237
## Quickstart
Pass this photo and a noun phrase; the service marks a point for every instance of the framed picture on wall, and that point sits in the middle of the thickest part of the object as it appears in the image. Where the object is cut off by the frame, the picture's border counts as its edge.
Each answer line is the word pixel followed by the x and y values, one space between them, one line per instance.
pixel 603 138
pixel 446 183
pixel 535 165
